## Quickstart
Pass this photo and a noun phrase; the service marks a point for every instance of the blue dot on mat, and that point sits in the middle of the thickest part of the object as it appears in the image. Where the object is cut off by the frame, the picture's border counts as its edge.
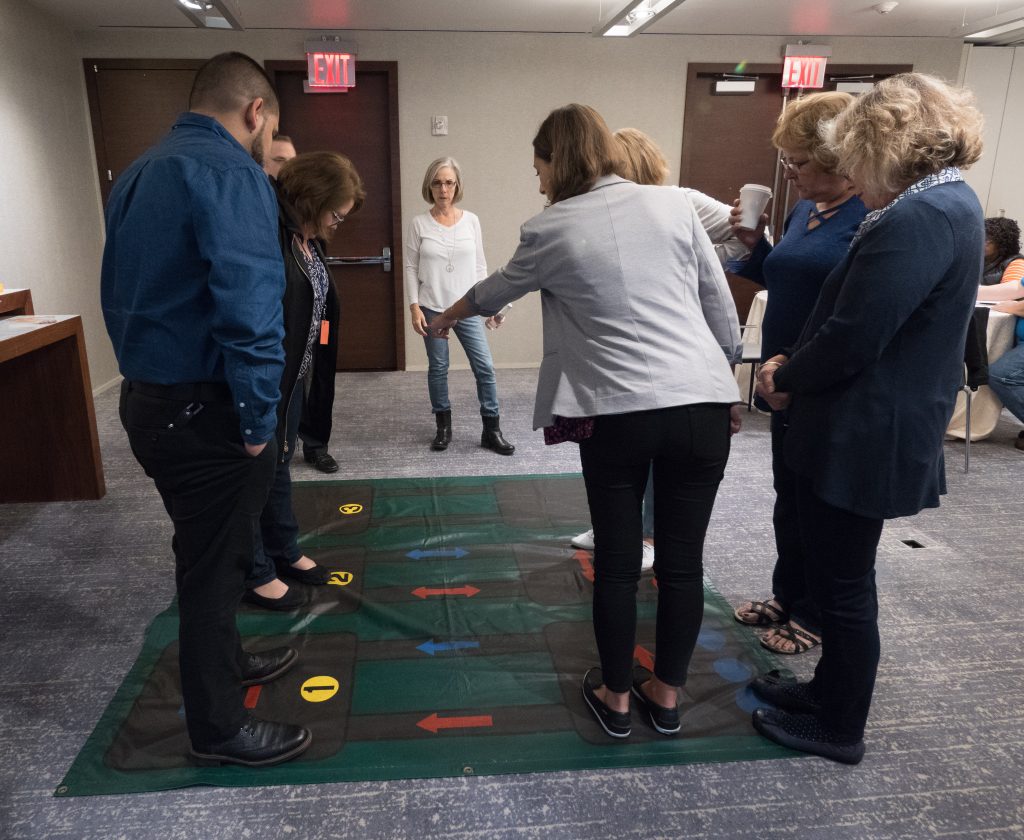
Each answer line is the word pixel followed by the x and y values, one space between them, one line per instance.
pixel 711 639
pixel 747 700
pixel 732 670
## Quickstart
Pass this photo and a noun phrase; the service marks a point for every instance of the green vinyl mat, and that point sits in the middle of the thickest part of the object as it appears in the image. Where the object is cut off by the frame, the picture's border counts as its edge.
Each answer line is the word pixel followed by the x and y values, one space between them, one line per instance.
pixel 451 640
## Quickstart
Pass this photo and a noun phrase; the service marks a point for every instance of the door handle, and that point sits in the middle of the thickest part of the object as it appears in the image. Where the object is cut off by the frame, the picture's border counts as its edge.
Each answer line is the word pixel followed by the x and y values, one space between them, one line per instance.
pixel 383 260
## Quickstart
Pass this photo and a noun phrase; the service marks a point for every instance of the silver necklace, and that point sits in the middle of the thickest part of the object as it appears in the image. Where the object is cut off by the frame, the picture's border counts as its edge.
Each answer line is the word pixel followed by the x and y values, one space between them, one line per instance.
pixel 449 246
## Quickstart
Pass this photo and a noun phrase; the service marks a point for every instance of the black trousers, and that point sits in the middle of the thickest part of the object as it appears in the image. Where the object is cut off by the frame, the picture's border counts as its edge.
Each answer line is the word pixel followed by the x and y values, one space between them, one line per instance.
pixel 841 580
pixel 213 491
pixel 789 579
pixel 688 446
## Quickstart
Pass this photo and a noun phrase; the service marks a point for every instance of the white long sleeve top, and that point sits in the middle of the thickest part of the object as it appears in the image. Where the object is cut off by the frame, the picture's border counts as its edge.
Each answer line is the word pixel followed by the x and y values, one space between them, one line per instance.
pixel 430 248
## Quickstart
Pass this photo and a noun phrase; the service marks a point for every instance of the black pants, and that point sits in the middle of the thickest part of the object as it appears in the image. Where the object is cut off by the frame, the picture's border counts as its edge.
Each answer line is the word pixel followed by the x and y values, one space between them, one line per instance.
pixel 789 579
pixel 213 491
pixel 688 446
pixel 841 580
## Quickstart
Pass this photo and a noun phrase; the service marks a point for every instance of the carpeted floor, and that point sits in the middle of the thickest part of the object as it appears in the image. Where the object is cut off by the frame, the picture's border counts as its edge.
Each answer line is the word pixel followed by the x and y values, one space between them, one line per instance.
pixel 945 745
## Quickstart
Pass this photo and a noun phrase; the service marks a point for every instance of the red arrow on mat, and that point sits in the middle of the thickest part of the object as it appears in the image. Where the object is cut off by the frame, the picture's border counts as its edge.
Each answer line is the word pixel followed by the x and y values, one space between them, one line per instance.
pixel 644 657
pixel 583 558
pixel 435 723
pixel 424 592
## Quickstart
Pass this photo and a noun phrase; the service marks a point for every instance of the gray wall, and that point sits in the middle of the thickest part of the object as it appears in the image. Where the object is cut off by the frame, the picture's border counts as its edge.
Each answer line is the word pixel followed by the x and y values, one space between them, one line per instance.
pixel 494 87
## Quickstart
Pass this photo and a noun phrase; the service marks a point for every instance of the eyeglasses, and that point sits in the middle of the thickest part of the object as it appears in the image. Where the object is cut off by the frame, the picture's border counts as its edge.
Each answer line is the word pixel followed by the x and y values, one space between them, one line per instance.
pixel 337 219
pixel 436 185
pixel 795 165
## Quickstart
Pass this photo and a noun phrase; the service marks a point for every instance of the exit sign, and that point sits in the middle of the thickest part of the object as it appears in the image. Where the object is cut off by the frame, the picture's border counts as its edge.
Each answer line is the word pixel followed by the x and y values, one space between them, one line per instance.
pixel 804 71
pixel 330 66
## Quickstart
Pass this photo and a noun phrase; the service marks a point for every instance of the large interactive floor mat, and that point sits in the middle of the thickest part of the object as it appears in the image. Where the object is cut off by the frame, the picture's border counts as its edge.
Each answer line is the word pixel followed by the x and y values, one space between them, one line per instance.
pixel 451 640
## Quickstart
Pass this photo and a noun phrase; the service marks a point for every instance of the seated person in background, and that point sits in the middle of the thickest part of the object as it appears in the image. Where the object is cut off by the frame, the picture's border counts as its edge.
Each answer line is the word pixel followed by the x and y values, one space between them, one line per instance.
pixel 1006 374
pixel 1003 261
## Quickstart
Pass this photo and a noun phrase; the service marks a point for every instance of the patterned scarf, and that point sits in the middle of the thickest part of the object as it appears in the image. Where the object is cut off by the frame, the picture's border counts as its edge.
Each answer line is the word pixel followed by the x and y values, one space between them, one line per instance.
pixel 948 175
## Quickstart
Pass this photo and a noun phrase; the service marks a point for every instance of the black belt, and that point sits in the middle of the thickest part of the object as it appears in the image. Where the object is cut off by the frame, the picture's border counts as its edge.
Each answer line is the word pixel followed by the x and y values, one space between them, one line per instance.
pixel 202 392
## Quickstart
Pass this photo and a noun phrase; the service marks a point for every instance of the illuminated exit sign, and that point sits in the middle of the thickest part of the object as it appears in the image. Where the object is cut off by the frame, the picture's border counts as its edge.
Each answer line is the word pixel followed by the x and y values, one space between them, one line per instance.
pixel 330 66
pixel 804 71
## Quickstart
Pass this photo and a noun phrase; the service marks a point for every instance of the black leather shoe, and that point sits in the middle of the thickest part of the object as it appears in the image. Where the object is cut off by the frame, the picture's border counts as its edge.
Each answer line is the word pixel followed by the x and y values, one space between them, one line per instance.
pixel 322 460
pixel 616 724
pixel 317 576
pixel 291 600
pixel 806 734
pixel 444 431
pixel 1019 442
pixel 492 438
pixel 259 743
pixel 267 665
pixel 663 719
pixel 781 689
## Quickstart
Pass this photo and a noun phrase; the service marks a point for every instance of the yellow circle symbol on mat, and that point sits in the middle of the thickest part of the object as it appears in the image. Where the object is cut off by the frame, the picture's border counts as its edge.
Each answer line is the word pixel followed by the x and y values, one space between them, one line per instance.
pixel 318 689
pixel 350 508
pixel 340 578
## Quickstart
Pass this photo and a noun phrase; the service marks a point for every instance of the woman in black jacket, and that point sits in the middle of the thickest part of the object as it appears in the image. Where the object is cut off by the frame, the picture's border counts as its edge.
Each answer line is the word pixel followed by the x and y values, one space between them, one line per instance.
pixel 315 192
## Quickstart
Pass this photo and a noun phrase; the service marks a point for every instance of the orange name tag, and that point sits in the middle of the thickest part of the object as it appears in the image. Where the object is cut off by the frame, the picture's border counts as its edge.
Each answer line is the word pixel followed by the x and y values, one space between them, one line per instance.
pixel 325 331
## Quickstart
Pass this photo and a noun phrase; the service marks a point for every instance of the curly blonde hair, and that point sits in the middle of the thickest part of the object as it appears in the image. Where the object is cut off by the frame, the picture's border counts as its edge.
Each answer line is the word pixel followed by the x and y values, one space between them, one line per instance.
pixel 908 127
pixel 798 126
pixel 641 160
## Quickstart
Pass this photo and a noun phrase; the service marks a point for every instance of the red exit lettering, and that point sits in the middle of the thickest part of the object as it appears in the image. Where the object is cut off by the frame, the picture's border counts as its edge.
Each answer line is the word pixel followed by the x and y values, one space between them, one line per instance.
pixel 329 69
pixel 804 71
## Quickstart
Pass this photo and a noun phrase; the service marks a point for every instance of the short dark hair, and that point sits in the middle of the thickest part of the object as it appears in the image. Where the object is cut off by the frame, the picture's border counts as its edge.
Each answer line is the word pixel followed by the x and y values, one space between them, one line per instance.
pixel 577 143
pixel 316 182
pixel 1004 234
pixel 283 138
pixel 230 81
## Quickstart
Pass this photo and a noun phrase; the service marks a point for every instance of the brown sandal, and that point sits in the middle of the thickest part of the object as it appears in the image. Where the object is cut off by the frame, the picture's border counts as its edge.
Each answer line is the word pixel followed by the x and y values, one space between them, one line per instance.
pixel 766 612
pixel 801 640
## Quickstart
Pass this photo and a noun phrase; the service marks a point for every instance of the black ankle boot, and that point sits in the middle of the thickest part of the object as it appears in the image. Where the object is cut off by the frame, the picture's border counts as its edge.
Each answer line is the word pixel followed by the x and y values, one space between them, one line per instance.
pixel 492 439
pixel 444 431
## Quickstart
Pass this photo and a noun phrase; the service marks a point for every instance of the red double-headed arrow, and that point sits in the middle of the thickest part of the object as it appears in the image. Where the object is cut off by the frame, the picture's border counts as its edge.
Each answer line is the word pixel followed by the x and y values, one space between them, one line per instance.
pixel 586 566
pixel 425 592
pixel 435 724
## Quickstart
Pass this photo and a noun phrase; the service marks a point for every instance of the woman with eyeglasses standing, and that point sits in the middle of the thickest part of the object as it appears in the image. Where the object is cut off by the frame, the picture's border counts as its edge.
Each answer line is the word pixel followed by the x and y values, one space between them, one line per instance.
pixel 444 257
pixel 817 235
pixel 315 192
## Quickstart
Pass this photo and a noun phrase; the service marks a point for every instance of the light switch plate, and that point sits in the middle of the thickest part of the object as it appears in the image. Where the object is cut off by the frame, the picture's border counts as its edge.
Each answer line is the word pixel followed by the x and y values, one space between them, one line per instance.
pixel 439 125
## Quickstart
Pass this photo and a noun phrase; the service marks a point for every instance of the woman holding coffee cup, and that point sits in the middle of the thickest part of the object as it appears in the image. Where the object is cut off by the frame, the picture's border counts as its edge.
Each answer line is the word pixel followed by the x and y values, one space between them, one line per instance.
pixel 817 234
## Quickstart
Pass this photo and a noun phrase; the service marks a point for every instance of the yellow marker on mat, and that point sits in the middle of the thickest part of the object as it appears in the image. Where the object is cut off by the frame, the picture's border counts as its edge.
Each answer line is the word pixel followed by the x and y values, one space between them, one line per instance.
pixel 318 689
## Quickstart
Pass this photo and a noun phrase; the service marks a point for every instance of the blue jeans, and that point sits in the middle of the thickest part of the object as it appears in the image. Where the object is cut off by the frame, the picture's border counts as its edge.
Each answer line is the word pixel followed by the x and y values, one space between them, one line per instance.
pixel 470 333
pixel 279 530
pixel 1006 378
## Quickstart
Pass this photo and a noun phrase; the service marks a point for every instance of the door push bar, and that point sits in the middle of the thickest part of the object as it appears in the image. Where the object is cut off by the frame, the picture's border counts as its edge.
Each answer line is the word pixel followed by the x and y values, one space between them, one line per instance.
pixel 384 260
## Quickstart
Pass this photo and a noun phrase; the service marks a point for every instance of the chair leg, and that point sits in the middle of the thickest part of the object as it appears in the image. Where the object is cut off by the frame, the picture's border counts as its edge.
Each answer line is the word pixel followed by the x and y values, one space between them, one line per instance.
pixel 750 387
pixel 967 432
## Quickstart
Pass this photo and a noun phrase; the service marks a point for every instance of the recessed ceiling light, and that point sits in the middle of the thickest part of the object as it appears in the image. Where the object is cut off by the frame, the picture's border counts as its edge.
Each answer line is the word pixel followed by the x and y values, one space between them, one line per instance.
pixel 196 5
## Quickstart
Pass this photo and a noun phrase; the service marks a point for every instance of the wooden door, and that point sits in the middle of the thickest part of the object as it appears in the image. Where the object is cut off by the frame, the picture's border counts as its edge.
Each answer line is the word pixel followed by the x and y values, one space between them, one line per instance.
pixel 361 124
pixel 727 141
pixel 133 103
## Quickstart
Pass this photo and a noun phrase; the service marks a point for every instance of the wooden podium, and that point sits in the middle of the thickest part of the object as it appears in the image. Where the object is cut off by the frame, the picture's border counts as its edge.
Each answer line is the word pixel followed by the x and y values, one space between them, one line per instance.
pixel 49 449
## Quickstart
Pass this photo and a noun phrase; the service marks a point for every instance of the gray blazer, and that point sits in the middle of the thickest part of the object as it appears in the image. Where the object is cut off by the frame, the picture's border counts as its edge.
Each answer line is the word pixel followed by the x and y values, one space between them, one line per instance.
pixel 636 310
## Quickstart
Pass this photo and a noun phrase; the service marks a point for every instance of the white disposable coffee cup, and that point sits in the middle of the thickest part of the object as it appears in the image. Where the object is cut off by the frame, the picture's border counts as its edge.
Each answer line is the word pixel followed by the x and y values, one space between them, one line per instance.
pixel 753 198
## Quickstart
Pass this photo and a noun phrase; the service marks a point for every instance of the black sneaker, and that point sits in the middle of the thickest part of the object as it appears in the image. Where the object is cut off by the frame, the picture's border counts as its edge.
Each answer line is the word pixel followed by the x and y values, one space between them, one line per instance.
pixel 616 724
pixel 663 719
pixel 781 689
pixel 806 734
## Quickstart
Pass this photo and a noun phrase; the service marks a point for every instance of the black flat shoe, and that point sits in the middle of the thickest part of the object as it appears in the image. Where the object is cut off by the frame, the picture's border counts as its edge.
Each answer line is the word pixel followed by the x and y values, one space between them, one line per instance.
pixel 322 460
pixel 259 743
pixel 317 576
pixel 663 719
pixel 267 665
pixel 806 734
pixel 781 689
pixel 291 600
pixel 616 724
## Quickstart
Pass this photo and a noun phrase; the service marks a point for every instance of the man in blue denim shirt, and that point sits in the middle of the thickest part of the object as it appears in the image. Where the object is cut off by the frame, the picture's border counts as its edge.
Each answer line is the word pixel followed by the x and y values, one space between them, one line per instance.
pixel 192 285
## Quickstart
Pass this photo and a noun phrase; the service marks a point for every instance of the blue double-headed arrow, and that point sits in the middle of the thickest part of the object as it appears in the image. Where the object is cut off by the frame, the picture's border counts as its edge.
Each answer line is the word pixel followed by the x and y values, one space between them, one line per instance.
pixel 433 647
pixel 419 553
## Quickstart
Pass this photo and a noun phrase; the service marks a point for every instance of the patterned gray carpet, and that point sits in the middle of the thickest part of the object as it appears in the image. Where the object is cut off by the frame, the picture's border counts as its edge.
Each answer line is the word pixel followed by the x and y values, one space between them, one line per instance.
pixel 945 744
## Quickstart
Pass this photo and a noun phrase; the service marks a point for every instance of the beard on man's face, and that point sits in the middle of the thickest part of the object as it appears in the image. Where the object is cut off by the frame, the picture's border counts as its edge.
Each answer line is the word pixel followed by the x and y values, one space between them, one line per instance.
pixel 257 151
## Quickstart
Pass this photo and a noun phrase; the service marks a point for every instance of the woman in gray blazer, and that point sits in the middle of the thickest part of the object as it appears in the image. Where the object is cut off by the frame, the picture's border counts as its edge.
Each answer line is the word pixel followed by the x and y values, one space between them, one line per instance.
pixel 639 333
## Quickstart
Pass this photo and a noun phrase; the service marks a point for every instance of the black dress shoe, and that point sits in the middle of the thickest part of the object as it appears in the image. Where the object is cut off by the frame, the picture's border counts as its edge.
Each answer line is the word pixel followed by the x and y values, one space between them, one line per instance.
pixel 321 459
pixel 267 665
pixel 616 724
pixel 806 734
pixel 781 689
pixel 259 743
pixel 317 576
pixel 291 600
pixel 663 719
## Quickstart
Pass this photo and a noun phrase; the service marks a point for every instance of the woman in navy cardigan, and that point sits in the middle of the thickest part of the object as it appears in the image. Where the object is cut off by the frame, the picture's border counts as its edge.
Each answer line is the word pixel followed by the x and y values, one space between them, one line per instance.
pixel 871 383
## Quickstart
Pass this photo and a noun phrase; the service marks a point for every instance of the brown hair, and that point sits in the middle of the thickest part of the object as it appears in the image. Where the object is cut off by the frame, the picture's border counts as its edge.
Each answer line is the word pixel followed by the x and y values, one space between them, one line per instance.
pixel 798 126
pixel 230 81
pixel 909 126
pixel 576 141
pixel 316 182
pixel 641 160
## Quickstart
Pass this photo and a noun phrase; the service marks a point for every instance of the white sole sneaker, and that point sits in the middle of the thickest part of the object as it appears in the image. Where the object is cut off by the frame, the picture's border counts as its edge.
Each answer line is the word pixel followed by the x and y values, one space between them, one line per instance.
pixel 648 559
pixel 584 540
